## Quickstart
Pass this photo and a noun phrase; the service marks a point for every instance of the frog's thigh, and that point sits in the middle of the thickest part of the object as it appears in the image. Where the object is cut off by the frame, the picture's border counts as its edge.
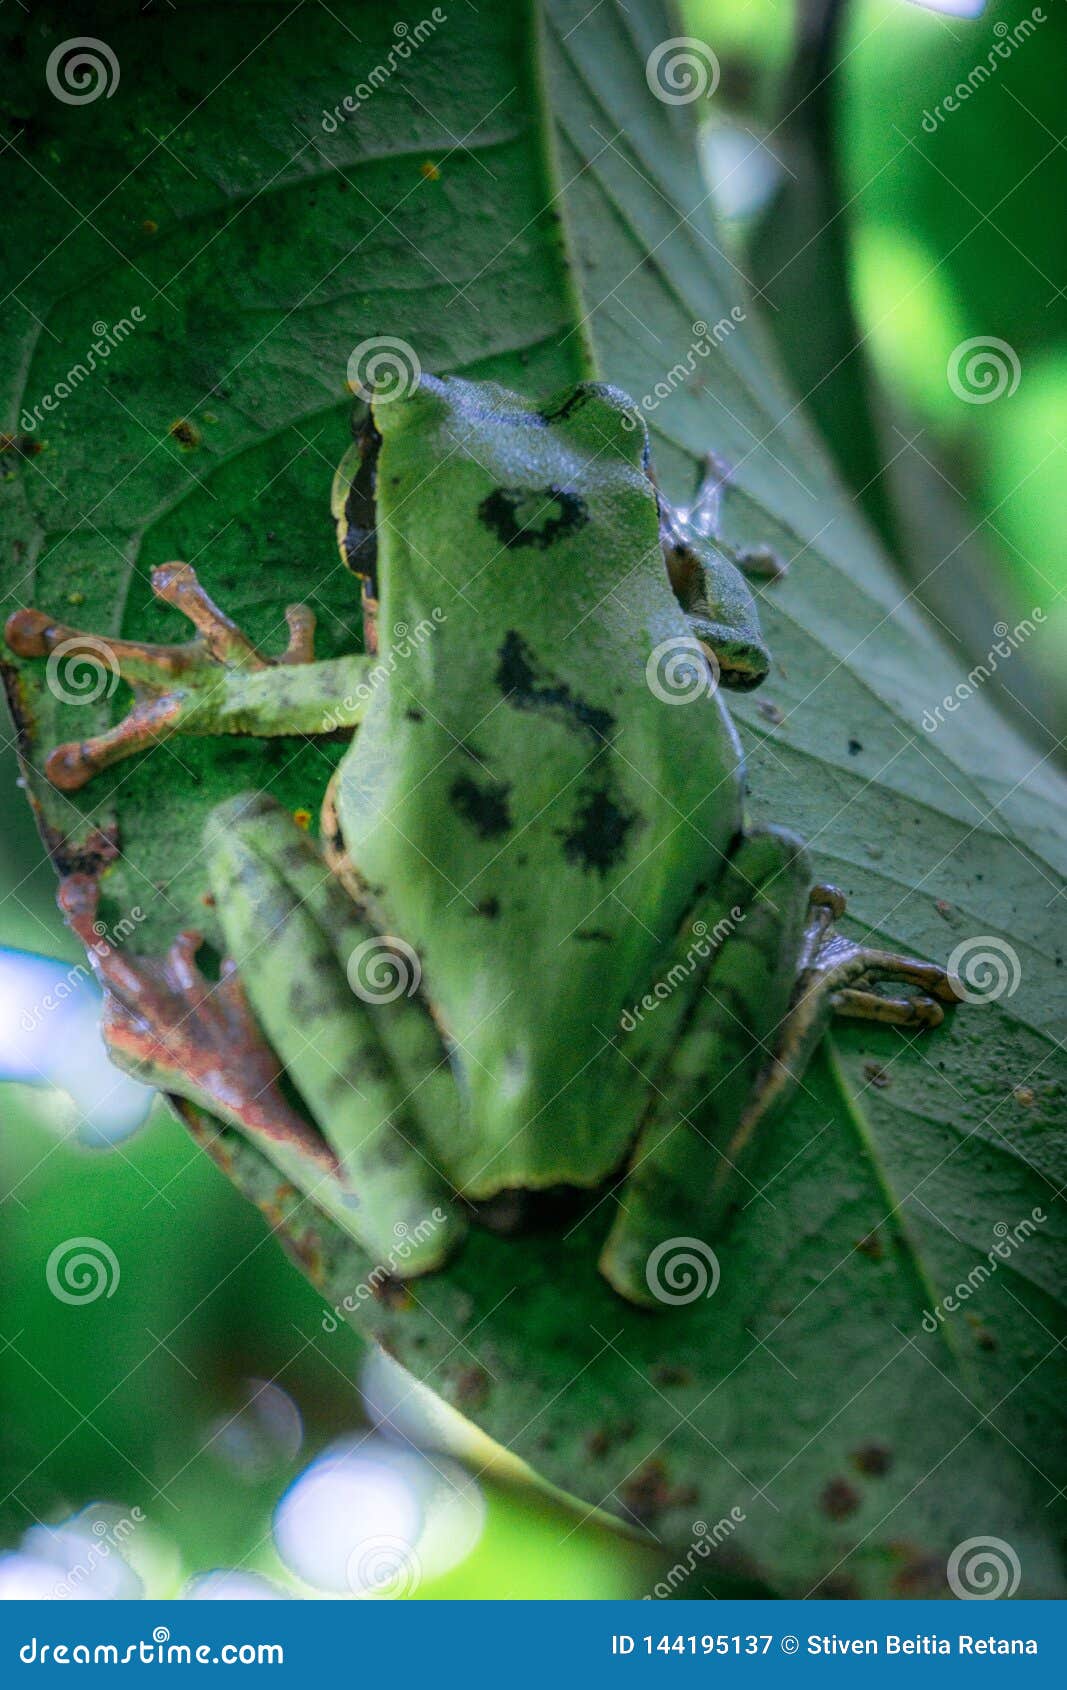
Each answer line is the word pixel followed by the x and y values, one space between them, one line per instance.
pixel 292 932
pixel 681 1174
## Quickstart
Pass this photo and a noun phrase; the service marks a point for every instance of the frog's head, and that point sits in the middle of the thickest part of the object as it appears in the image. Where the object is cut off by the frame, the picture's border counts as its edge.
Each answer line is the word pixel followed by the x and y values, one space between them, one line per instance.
pixel 594 417
pixel 470 473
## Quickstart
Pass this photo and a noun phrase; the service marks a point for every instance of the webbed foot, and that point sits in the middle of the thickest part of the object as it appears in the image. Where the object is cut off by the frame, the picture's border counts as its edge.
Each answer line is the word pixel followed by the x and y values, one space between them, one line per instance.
pixel 217 682
pixel 168 1025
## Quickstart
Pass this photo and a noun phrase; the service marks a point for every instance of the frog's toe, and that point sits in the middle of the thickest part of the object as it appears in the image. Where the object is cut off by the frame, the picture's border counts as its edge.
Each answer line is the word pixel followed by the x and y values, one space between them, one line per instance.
pixel 623 1261
pixel 407 1234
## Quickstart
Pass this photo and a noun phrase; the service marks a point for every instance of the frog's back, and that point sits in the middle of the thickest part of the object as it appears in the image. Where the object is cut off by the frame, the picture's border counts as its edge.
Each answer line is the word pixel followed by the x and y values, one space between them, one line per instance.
pixel 525 808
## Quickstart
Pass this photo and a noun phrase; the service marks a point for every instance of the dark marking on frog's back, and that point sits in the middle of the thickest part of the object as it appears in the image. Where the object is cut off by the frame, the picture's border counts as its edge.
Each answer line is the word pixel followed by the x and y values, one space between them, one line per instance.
pixel 594 936
pixel 485 807
pixel 596 839
pixel 533 516
pixel 516 676
pixel 574 402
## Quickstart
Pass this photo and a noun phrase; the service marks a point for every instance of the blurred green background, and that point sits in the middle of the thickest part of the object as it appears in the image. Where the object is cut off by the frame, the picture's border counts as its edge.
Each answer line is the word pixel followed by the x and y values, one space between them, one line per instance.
pixel 142 1400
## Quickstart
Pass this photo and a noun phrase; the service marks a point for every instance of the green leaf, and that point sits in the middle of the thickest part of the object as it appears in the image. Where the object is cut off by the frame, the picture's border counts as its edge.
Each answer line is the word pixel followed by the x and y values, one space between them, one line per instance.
pixel 512 200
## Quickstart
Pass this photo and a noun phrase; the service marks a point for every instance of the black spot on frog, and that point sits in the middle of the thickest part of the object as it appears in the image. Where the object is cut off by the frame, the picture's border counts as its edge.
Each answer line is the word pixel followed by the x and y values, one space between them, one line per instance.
pixel 532 516
pixel 596 839
pixel 516 677
pixel 484 806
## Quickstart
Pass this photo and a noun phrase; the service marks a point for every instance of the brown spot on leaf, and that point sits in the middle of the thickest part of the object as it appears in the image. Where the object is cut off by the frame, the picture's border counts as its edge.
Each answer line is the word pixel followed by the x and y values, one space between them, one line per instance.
pixel 919 1572
pixel 26 445
pixel 647 1493
pixel 873 1459
pixel 392 1293
pixel 668 1373
pixel 185 433
pixel 472 1388
pixel 839 1499
pixel 838 1587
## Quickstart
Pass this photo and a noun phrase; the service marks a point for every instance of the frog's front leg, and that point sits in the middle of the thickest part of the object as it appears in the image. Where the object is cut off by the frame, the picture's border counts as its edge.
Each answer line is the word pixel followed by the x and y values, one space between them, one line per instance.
pixel 216 683
pixel 749 1031
pixel 717 601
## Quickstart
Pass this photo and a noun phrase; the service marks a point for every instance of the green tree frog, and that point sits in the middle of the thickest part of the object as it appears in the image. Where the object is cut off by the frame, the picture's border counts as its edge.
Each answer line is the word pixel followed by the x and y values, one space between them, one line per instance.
pixel 537 825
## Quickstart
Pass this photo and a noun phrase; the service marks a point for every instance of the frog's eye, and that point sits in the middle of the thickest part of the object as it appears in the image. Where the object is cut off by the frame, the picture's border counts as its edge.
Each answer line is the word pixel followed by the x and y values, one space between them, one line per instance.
pixel 603 418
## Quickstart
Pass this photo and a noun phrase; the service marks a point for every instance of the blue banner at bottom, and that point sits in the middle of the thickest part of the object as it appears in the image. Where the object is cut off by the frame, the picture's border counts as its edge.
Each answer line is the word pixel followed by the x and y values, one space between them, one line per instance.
pixel 534 1643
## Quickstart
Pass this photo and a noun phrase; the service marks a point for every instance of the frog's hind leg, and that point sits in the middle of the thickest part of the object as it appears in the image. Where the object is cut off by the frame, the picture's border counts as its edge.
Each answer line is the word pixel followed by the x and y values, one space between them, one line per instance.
pixel 165 1023
pixel 836 976
pixel 682 1167
pixel 338 1002
pixel 215 683
pixel 766 1000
